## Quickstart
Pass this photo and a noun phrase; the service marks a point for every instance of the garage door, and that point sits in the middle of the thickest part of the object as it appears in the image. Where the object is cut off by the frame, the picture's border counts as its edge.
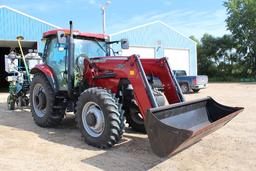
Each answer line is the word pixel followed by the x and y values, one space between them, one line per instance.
pixel 178 59
pixel 144 52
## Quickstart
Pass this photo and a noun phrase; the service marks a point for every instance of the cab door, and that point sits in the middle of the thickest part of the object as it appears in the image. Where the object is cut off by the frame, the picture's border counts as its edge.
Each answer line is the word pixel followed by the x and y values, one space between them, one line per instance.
pixel 55 57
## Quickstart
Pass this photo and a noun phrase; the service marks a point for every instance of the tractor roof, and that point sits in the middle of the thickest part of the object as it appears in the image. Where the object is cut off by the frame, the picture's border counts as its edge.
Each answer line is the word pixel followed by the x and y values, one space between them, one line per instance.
pixel 76 32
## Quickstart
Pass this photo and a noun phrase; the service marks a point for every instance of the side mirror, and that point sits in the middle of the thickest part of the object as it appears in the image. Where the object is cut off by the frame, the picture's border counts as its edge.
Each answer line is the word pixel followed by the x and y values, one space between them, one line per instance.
pixel 61 37
pixel 124 43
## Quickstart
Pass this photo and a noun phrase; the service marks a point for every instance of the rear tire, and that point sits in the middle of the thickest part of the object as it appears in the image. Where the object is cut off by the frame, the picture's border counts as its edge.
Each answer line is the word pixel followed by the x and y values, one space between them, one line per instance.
pixel 99 118
pixel 196 90
pixel 42 100
pixel 184 88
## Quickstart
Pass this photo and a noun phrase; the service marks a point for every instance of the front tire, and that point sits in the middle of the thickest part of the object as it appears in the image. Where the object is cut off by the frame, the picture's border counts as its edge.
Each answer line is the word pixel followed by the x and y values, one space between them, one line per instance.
pixel 99 118
pixel 10 102
pixel 196 90
pixel 42 100
pixel 134 118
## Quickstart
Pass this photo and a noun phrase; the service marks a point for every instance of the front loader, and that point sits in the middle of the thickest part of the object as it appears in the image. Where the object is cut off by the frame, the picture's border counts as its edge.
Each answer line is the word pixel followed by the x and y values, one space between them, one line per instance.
pixel 79 75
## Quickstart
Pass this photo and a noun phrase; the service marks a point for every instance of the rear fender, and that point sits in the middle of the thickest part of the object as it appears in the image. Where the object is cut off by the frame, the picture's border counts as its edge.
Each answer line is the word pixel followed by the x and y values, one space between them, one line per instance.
pixel 49 74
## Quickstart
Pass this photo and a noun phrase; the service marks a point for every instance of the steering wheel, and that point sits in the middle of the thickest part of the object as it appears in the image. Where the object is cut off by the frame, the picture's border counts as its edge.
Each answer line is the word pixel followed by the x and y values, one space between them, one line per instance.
pixel 80 66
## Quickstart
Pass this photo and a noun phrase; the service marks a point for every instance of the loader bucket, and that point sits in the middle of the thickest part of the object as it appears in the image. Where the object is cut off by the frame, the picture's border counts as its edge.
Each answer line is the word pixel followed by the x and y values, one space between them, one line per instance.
pixel 175 127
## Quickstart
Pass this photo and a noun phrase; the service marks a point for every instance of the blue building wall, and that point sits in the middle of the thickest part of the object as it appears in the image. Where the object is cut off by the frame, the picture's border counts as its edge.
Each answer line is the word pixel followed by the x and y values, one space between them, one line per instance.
pixel 150 34
pixel 13 24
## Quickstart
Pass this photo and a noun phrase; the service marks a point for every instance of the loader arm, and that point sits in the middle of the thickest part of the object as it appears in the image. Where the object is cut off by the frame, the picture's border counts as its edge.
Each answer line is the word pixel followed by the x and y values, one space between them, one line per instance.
pixel 135 70
pixel 161 69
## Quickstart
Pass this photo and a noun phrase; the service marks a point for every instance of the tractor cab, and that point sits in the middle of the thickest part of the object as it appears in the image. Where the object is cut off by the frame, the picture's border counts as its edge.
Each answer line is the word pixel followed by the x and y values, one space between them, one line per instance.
pixel 85 45
pixel 56 51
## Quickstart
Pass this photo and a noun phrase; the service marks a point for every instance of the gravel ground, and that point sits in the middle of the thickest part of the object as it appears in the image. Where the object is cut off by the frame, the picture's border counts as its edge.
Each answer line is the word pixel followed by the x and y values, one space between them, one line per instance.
pixel 25 146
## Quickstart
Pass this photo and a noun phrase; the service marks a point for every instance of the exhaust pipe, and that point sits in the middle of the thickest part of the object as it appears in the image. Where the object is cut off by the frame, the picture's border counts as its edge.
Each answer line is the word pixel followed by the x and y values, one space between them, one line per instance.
pixel 71 61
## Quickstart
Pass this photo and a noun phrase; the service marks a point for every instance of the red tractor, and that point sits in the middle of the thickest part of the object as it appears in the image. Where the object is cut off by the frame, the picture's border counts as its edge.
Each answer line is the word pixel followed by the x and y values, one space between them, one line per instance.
pixel 79 75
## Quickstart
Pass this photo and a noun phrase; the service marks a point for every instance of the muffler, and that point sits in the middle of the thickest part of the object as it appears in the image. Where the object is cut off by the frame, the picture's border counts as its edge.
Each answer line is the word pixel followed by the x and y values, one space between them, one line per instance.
pixel 175 127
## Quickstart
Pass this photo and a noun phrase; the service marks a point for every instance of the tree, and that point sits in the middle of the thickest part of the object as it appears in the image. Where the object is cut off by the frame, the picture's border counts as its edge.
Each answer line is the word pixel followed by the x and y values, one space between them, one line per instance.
pixel 241 21
pixel 218 57
pixel 205 54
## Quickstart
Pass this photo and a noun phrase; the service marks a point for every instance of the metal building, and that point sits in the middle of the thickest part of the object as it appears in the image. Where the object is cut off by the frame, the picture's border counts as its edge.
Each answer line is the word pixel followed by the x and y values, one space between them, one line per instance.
pixel 15 23
pixel 157 39
pixel 152 40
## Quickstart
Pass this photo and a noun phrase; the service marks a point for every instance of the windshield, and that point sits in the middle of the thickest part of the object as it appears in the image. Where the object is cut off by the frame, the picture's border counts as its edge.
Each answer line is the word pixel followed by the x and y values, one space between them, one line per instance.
pixel 92 48
pixel 180 73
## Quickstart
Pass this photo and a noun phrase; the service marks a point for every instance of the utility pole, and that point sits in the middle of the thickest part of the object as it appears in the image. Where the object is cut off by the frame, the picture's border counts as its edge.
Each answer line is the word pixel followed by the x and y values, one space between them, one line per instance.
pixel 103 10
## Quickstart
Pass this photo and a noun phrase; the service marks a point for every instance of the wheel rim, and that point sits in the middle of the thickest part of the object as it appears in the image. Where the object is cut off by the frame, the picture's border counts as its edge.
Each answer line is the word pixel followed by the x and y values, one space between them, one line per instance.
pixel 39 100
pixel 184 88
pixel 93 119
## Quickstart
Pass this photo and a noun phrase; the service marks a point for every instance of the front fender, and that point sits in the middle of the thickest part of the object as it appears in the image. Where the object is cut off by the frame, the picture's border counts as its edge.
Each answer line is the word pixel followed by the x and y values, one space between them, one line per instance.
pixel 49 74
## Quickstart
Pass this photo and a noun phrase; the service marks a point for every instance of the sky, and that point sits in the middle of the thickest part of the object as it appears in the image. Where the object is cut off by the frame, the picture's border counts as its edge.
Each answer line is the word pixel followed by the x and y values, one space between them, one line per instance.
pixel 190 17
